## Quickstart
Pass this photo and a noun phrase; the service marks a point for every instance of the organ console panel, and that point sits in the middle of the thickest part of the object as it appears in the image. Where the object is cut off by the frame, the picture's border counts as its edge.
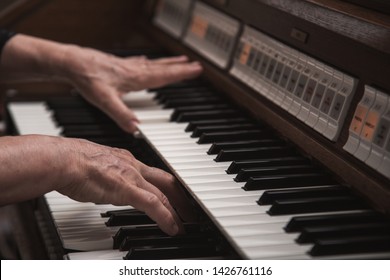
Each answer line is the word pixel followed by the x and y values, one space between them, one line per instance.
pixel 283 143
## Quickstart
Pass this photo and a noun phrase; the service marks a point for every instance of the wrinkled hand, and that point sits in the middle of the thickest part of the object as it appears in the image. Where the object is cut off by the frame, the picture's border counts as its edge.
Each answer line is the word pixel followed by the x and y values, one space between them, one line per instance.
pixel 102 79
pixel 110 175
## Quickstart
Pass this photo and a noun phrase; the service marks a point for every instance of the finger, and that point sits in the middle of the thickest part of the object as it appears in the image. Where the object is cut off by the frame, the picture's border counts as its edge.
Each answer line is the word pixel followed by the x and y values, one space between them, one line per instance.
pixel 170 60
pixel 158 75
pixel 165 182
pixel 120 113
pixel 165 201
pixel 141 58
pixel 157 208
pixel 168 184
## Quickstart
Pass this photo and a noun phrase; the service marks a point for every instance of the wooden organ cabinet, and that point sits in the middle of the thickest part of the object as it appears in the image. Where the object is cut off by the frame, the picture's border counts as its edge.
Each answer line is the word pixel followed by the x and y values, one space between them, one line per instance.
pixel 283 143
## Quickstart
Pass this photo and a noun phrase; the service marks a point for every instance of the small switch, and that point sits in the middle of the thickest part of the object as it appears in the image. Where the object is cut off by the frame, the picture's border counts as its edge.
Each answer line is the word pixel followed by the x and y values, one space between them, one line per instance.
pixel 299 35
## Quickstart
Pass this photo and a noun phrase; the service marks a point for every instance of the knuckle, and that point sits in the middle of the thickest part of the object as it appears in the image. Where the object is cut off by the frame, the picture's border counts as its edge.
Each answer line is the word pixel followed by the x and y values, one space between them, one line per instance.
pixel 117 150
pixel 171 178
pixel 164 200
pixel 140 76
pixel 153 200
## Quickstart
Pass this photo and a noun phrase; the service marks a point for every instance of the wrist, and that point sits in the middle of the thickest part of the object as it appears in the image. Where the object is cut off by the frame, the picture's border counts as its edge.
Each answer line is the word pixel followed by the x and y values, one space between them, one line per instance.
pixel 68 63
pixel 31 166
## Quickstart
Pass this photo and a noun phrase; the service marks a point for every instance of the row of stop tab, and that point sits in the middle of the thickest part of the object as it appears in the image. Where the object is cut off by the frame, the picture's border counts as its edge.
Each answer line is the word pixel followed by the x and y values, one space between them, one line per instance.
pixel 369 132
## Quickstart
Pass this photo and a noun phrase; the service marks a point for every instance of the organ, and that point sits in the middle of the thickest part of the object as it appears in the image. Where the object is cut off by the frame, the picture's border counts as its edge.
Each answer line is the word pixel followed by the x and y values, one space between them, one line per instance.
pixel 283 144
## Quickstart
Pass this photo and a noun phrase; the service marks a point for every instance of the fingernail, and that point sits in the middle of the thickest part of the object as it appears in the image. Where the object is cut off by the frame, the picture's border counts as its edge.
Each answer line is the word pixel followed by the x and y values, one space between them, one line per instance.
pixel 174 229
pixel 196 65
pixel 132 126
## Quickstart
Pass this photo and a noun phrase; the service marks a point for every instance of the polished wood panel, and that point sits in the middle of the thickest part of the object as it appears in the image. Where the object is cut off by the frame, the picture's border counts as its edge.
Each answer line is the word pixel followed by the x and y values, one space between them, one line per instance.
pixel 101 24
pixel 11 10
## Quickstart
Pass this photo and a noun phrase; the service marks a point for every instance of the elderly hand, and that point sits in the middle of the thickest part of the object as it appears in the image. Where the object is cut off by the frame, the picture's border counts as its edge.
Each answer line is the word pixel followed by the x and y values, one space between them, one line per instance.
pixel 102 79
pixel 88 172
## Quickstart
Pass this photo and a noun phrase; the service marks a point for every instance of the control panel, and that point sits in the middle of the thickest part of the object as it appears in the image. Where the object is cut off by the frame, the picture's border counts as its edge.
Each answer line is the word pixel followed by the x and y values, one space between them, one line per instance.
pixel 369 132
pixel 212 34
pixel 311 91
pixel 308 89
pixel 172 16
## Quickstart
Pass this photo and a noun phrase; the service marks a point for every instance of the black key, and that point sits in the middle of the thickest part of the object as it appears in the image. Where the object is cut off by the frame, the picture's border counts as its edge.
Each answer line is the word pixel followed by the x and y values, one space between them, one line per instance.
pixel 250 134
pixel 194 124
pixel 254 153
pixel 110 213
pixel 67 103
pixel 222 128
pixel 76 120
pixel 128 218
pixel 118 142
pixel 187 109
pixel 298 223
pixel 149 230
pixel 133 231
pixel 244 174
pixel 310 234
pixel 78 112
pixel 236 166
pixel 162 98
pixel 164 241
pixel 351 245
pixel 174 252
pixel 91 133
pixel 268 197
pixel 208 115
pixel 171 90
pixel 92 127
pixel 288 181
pixel 181 85
pixel 217 147
pixel 316 204
pixel 179 102
pixel 168 90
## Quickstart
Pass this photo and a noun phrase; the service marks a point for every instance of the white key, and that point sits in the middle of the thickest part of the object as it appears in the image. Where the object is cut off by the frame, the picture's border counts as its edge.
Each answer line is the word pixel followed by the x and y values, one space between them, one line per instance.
pixel 230 202
pixel 188 153
pixel 203 172
pixel 165 142
pixel 216 186
pixel 98 255
pixel 200 164
pixel 159 137
pixel 185 147
pixel 276 251
pixel 226 194
pixel 208 179
pixel 260 220
pixel 86 244
pixel 33 118
pixel 179 159
pixel 235 211
pixel 266 240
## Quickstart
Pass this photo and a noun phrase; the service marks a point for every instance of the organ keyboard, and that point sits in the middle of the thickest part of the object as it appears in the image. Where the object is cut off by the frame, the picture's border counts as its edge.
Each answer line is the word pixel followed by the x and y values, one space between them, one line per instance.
pixel 260 193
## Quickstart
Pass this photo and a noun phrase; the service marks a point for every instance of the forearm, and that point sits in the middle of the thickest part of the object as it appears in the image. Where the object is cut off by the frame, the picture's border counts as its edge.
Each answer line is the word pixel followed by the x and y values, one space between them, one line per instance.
pixel 33 58
pixel 29 167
